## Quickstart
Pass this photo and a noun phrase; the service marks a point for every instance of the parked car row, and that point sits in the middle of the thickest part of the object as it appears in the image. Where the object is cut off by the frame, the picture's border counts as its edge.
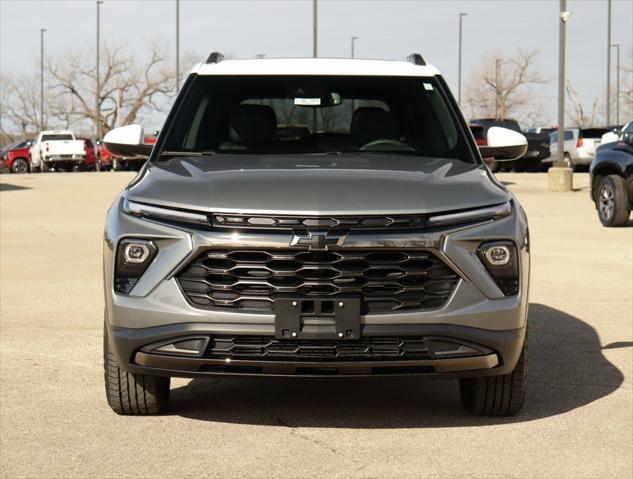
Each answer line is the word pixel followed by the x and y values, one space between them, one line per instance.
pixel 60 150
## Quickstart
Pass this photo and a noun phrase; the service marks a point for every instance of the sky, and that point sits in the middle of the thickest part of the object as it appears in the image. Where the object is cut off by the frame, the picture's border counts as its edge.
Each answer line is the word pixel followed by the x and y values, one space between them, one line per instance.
pixel 281 28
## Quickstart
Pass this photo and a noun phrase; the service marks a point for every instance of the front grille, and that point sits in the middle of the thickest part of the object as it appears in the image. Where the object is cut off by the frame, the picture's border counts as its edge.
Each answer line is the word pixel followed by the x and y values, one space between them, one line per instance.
pixel 384 280
pixel 267 348
pixel 321 222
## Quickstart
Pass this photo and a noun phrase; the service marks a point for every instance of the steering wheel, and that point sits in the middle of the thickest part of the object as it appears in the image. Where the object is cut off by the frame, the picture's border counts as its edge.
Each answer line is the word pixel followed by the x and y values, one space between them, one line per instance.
pixel 386 145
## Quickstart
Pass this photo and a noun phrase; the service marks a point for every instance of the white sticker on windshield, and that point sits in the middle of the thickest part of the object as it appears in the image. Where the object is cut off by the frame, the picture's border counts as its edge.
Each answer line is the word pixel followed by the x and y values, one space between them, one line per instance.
pixel 428 86
pixel 307 101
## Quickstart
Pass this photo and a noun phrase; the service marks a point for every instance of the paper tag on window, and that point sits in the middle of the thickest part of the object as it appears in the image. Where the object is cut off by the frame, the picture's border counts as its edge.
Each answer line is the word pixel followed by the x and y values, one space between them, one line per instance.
pixel 428 86
pixel 307 101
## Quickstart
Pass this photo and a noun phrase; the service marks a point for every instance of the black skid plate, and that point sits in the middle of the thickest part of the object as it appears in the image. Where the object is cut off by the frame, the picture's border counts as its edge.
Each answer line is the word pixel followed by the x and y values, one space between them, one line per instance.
pixel 315 318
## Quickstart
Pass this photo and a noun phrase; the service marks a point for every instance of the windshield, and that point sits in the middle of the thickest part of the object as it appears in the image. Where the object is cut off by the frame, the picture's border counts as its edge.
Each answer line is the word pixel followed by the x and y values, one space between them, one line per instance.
pixel 322 114
pixel 594 132
pixel 57 137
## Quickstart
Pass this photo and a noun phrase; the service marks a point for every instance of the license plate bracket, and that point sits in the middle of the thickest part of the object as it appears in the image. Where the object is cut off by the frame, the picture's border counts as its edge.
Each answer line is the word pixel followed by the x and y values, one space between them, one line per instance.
pixel 316 318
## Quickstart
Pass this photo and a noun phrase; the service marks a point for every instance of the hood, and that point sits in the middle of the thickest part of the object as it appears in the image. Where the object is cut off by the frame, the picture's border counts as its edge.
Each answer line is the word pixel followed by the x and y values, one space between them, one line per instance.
pixel 316 184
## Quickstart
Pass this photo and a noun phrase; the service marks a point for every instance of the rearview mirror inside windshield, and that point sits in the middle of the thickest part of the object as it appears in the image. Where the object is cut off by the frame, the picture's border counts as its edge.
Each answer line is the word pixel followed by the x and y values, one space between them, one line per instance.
pixel 329 99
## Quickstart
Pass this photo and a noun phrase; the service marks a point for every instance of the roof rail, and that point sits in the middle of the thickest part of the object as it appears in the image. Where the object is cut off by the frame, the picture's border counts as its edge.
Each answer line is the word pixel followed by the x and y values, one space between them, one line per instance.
pixel 416 59
pixel 215 57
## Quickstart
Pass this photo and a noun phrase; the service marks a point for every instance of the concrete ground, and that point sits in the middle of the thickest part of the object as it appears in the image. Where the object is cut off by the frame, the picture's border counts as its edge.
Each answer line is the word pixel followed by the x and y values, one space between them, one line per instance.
pixel 54 420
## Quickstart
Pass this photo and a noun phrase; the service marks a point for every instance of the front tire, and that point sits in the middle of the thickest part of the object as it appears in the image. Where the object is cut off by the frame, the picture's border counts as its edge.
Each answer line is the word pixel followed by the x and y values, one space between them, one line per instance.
pixel 130 393
pixel 19 165
pixel 496 395
pixel 612 202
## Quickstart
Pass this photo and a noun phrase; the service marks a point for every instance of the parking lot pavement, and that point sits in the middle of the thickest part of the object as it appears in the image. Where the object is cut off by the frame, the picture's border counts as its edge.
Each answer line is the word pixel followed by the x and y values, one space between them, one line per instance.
pixel 54 421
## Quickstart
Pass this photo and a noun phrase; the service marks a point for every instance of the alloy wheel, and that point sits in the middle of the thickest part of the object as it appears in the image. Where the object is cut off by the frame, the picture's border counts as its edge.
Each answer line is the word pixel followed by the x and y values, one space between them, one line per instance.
pixel 606 202
pixel 19 166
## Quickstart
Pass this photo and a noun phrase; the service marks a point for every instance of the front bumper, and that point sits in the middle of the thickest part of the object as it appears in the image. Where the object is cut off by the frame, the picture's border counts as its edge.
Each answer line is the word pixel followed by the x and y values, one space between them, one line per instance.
pixel 156 309
pixel 498 353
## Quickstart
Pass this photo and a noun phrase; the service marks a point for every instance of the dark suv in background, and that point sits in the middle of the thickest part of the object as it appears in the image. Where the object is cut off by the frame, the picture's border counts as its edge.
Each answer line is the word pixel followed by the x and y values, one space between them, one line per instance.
pixel 612 179
pixel 315 217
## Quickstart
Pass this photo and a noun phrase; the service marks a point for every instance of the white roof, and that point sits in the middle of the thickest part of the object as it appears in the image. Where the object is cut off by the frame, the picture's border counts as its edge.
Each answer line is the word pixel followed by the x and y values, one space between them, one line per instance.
pixel 315 66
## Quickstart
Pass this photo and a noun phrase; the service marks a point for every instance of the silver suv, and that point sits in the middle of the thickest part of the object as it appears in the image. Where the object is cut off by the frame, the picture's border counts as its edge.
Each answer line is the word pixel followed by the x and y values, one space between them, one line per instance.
pixel 315 217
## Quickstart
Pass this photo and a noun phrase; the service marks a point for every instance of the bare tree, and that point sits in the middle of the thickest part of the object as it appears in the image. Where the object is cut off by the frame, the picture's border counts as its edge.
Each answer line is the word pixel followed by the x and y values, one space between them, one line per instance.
pixel 500 86
pixel 127 86
pixel 626 91
pixel 576 113
pixel 21 105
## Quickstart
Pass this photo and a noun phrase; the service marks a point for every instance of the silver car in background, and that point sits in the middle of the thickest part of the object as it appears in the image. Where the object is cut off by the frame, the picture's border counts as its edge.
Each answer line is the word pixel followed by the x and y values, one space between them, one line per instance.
pixel 580 145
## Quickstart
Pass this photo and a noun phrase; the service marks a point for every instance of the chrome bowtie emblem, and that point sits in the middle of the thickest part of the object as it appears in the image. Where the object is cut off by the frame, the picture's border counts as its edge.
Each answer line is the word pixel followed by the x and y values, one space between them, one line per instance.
pixel 319 240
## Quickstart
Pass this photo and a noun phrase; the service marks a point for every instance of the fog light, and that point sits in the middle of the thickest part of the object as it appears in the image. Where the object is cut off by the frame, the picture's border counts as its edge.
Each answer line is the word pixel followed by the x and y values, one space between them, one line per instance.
pixel 136 252
pixel 502 262
pixel 498 255
pixel 133 257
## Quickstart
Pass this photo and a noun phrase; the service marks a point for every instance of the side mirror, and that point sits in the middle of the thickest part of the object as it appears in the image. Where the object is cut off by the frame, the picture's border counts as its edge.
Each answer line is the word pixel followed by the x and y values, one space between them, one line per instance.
pixel 503 144
pixel 128 142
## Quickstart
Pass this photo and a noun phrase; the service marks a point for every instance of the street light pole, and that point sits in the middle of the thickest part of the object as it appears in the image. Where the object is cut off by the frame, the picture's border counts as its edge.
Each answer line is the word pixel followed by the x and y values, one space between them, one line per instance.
pixel 561 83
pixel 459 61
pixel 608 62
pixel 177 45
pixel 98 90
pixel 617 84
pixel 353 40
pixel 42 30
pixel 315 50
pixel 560 177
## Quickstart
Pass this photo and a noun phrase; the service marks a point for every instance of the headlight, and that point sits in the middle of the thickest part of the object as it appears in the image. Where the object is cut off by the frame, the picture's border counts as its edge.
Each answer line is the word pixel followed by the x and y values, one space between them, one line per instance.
pixel 480 214
pixel 160 213
pixel 501 260
pixel 133 257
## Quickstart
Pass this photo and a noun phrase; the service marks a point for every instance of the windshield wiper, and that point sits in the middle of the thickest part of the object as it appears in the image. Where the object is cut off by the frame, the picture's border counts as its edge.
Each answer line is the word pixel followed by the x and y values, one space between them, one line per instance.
pixel 187 153
pixel 180 153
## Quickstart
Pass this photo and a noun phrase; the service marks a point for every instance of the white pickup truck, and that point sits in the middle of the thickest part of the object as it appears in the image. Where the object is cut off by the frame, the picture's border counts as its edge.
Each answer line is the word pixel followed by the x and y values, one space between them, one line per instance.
pixel 56 149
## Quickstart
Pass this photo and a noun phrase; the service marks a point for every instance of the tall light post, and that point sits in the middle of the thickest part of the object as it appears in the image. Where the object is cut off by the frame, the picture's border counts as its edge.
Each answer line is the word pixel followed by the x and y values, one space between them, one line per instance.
pixel 560 177
pixel 617 84
pixel 98 89
pixel 42 30
pixel 608 62
pixel 315 38
pixel 315 52
pixel 459 61
pixel 353 39
pixel 177 45
pixel 564 16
